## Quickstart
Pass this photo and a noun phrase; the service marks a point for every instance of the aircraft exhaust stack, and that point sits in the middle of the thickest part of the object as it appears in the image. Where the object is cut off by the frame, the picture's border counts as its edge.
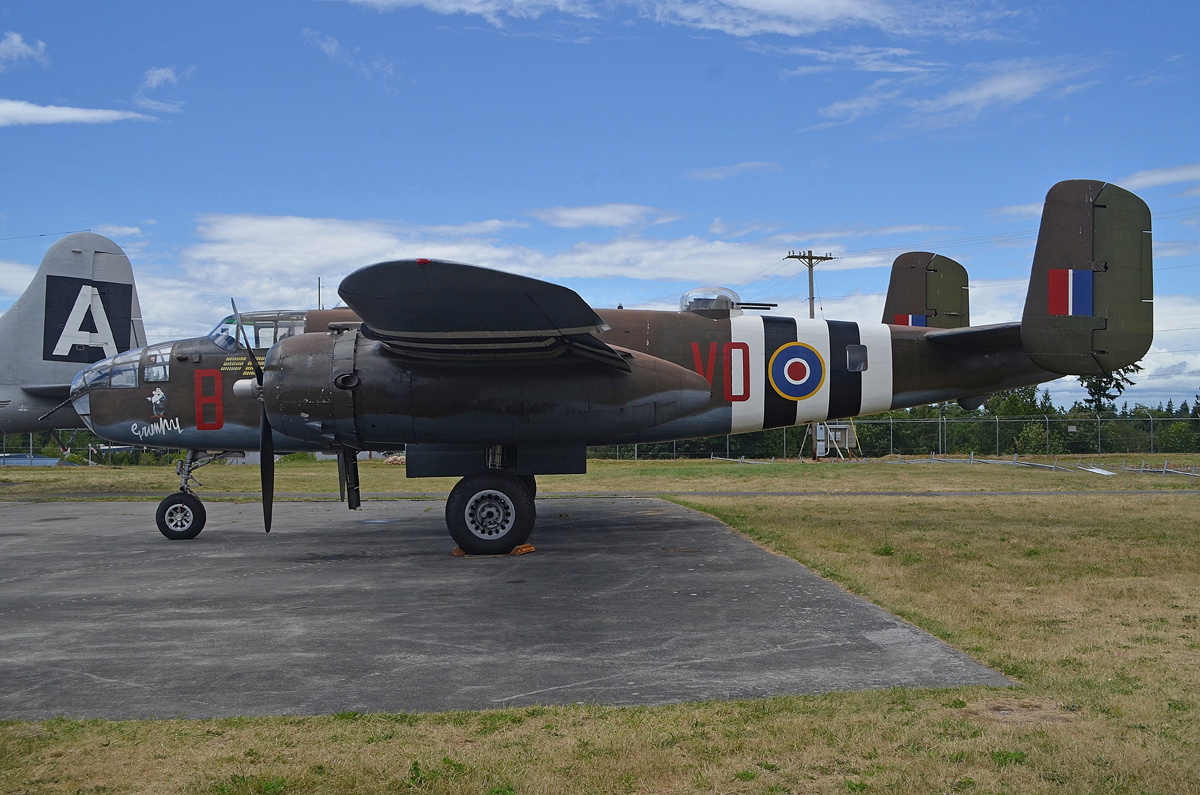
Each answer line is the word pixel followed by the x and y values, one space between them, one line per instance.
pixel 1090 306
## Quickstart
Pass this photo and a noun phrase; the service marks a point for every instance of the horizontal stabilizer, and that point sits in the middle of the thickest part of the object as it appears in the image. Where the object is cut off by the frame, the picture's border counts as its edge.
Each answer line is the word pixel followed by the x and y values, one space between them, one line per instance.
pixel 998 335
pixel 58 391
pixel 432 309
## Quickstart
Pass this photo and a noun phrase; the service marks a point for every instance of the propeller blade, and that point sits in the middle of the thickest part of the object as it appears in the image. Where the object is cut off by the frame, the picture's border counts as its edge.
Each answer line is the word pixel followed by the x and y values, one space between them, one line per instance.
pixel 241 331
pixel 266 448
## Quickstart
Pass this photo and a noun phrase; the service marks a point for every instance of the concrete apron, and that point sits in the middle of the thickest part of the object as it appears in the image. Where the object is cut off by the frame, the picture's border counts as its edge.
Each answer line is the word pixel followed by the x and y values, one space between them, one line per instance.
pixel 625 601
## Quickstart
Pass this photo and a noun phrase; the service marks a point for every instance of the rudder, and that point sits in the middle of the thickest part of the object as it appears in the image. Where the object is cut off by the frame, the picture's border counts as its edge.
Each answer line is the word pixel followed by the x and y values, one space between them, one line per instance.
pixel 1090 305
pixel 927 289
pixel 81 306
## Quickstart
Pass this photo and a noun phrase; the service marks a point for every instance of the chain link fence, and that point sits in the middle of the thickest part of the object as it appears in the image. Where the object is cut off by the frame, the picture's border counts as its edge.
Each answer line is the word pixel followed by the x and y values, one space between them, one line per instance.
pixel 1025 435
pixel 1030 435
pixel 877 437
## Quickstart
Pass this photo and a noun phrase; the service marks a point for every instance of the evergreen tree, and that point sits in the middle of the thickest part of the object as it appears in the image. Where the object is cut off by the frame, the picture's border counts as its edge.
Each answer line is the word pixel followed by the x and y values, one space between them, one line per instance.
pixel 1104 389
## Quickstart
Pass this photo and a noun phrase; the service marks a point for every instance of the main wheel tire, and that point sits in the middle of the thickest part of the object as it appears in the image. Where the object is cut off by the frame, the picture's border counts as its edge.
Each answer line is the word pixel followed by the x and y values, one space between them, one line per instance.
pixel 181 516
pixel 530 483
pixel 490 512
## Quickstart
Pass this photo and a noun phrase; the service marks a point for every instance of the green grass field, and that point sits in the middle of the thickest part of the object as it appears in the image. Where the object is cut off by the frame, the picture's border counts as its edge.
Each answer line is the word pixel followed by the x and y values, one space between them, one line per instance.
pixel 1090 601
pixel 656 477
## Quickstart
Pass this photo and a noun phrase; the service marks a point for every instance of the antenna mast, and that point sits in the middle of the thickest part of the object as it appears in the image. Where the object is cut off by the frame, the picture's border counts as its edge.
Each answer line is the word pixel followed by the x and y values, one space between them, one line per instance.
pixel 810 261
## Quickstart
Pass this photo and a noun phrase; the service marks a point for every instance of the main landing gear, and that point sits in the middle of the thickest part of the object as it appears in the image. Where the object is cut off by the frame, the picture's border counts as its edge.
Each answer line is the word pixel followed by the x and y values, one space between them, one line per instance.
pixel 491 512
pixel 181 515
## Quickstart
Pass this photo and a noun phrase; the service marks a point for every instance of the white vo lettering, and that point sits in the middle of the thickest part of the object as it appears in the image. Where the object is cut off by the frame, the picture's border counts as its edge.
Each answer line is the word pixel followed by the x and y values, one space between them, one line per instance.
pixel 737 372
pixel 745 373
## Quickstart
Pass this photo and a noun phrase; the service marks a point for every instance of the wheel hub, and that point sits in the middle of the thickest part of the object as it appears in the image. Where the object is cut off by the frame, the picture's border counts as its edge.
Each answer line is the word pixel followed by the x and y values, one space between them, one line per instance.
pixel 490 514
pixel 179 517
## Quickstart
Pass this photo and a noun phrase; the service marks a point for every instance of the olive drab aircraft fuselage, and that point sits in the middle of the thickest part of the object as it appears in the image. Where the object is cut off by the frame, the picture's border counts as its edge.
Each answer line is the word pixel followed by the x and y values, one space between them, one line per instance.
pixel 497 378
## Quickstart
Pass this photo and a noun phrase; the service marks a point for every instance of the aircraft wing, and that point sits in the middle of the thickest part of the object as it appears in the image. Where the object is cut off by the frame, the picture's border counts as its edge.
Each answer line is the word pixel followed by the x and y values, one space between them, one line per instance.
pixel 433 309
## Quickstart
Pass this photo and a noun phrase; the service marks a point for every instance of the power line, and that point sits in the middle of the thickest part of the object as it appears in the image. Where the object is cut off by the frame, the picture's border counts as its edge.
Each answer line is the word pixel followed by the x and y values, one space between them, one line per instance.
pixel 43 234
pixel 1178 212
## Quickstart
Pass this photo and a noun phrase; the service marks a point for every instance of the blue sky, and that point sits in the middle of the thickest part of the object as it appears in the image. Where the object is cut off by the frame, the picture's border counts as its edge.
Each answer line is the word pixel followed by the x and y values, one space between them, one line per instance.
pixel 630 149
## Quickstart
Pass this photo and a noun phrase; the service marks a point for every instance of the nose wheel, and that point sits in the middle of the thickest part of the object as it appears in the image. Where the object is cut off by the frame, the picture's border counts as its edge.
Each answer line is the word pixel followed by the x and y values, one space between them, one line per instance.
pixel 491 512
pixel 181 516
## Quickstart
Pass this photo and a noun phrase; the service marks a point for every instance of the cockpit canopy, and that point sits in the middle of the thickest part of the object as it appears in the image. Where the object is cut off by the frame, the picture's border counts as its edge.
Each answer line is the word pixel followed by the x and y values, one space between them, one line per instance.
pixel 264 328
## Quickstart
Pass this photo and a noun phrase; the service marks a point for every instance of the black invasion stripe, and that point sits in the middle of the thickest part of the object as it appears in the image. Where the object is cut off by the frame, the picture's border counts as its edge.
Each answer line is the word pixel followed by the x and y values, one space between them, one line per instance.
pixel 845 387
pixel 778 411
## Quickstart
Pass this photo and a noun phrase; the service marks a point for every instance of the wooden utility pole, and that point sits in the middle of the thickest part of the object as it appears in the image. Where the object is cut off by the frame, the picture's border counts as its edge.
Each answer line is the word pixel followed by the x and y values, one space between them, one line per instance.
pixel 810 261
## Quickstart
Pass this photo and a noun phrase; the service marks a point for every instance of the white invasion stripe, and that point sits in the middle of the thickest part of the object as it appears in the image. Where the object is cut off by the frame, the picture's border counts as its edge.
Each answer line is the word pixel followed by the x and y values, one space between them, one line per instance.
pixel 877 378
pixel 816 334
pixel 748 414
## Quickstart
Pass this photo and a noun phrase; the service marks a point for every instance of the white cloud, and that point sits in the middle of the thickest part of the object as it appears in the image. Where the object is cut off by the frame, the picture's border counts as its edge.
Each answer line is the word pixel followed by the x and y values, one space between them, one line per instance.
pixel 14 278
pixel 272 262
pixel 872 231
pixel 14 48
pixel 723 228
pixel 844 111
pixel 1175 248
pixel 1019 210
pixel 15 113
pixel 734 17
pixel 374 69
pixel 603 215
pixel 1006 83
pixel 1156 177
pixel 857 58
pixel 490 10
pixel 1003 84
pixel 737 169
pixel 113 230
pixel 157 77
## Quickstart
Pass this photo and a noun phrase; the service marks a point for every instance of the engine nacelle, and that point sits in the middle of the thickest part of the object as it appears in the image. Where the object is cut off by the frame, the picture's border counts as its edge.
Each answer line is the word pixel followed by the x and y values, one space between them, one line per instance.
pixel 344 389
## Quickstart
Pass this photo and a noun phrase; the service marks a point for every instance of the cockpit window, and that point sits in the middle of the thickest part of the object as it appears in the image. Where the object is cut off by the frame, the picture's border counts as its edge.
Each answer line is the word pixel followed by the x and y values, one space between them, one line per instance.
pixel 289 328
pixel 96 374
pixel 263 328
pixel 224 334
pixel 124 372
pixel 157 363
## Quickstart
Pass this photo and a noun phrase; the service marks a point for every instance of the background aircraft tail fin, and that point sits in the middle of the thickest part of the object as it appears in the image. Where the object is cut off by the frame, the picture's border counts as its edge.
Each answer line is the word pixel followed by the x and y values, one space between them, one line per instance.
pixel 927 290
pixel 1090 305
pixel 81 307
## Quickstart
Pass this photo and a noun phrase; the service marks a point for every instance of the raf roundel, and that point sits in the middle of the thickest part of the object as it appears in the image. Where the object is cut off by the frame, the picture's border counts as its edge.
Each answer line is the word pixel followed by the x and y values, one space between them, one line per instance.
pixel 797 371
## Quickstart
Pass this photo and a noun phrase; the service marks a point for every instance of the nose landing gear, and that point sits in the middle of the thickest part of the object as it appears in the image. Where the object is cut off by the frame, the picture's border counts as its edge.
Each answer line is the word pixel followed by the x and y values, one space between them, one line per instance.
pixel 181 515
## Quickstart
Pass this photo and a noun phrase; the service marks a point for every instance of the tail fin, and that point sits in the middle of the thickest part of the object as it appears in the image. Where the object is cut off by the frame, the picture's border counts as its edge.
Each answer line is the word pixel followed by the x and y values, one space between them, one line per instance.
pixel 81 306
pixel 1090 306
pixel 927 290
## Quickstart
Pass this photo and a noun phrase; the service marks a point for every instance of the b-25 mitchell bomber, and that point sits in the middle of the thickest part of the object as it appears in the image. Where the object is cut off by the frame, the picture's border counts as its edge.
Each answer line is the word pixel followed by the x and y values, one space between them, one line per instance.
pixel 497 378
